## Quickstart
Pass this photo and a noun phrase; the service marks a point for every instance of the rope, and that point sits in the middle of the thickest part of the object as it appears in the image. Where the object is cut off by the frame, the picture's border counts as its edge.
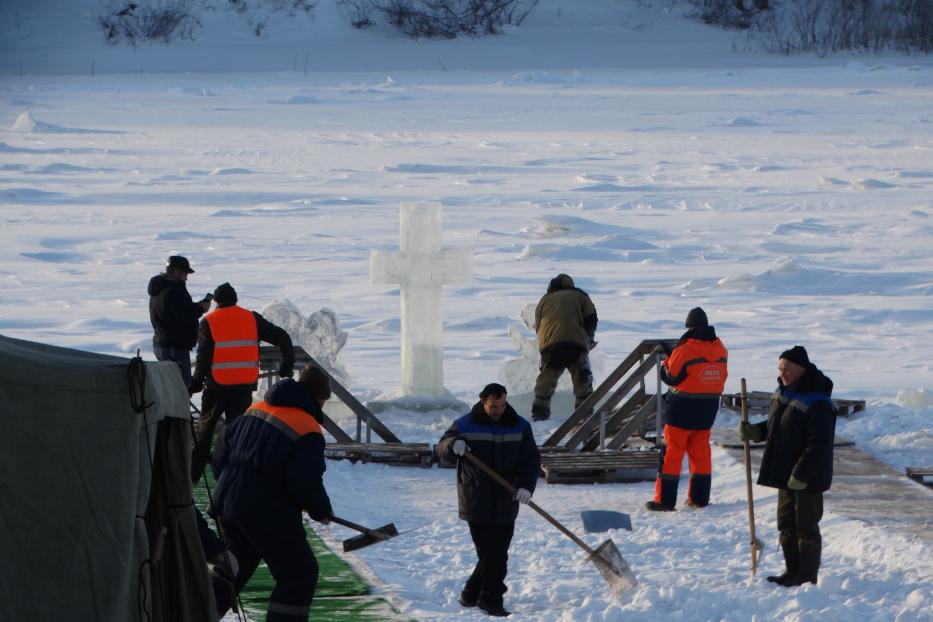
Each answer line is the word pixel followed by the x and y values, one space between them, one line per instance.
pixel 220 532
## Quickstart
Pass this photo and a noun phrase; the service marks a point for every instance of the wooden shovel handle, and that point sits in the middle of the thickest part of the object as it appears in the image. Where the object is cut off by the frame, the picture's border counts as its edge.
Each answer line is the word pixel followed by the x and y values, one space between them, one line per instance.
pixel 534 506
pixel 748 483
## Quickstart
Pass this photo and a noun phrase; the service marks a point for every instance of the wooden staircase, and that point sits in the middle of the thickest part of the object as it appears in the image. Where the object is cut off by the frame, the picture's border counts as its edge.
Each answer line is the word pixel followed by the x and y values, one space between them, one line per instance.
pixel 606 438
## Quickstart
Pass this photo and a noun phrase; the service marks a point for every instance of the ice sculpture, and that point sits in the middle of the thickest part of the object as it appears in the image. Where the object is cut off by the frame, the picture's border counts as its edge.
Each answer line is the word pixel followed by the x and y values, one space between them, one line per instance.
pixel 420 267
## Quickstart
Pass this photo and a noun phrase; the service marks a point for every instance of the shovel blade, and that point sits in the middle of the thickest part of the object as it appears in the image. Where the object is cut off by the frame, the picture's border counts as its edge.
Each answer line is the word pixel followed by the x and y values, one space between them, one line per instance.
pixel 375 536
pixel 614 569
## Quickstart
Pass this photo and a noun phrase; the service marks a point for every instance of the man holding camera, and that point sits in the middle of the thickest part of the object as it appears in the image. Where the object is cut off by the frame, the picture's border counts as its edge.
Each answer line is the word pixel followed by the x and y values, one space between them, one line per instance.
pixel 227 366
pixel 174 315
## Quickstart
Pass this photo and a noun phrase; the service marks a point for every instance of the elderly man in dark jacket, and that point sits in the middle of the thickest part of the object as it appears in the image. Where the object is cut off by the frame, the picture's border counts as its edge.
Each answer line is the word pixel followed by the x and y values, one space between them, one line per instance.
pixel 270 467
pixel 498 436
pixel 798 460
pixel 174 315
pixel 565 322
pixel 227 366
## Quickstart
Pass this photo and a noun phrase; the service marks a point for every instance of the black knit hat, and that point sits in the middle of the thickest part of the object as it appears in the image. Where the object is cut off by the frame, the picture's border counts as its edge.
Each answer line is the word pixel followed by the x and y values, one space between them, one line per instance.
pixel 494 389
pixel 696 317
pixel 225 295
pixel 797 354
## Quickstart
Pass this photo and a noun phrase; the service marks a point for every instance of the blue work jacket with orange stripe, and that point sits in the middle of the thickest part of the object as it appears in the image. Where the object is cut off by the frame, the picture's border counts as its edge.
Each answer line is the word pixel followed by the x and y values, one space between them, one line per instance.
pixel 270 461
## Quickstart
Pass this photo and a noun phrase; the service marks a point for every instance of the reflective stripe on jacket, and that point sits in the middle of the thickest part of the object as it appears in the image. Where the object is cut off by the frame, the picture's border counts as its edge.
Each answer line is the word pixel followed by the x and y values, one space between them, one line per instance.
pixel 290 420
pixel 236 346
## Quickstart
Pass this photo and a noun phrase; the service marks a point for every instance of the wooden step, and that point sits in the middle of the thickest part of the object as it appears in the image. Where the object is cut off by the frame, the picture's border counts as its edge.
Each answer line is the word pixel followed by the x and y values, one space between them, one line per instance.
pixel 399 454
pixel 600 467
pixel 924 475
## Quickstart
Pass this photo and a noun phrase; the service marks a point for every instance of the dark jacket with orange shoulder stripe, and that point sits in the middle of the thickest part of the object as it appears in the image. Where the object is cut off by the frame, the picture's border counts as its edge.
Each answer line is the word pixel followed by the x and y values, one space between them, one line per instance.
pixel 270 461
pixel 228 348
pixel 696 370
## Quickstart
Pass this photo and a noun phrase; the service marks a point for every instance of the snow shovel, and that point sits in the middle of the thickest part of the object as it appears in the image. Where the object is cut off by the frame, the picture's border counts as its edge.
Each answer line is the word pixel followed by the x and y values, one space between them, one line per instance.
pixel 598 521
pixel 609 561
pixel 756 544
pixel 368 536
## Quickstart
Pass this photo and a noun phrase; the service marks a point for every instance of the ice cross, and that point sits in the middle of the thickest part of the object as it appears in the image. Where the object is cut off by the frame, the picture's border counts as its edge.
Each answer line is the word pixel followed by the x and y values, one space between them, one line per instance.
pixel 421 267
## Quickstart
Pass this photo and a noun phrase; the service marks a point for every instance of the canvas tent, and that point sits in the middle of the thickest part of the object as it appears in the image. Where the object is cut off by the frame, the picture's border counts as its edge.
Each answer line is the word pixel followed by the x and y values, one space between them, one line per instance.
pixel 96 519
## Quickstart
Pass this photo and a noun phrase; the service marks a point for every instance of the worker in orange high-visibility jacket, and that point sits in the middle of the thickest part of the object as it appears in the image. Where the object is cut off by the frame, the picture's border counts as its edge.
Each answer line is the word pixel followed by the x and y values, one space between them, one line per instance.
pixel 227 366
pixel 270 468
pixel 696 370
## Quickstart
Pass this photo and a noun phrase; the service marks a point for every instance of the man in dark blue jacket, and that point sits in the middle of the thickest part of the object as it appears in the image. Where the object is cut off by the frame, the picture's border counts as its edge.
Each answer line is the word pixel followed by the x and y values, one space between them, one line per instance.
pixel 270 467
pixel 498 436
pixel 798 460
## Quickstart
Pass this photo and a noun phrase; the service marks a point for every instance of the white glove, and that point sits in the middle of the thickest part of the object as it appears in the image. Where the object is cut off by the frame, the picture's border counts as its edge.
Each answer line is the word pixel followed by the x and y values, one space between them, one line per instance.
pixel 460 447
pixel 522 495
pixel 220 564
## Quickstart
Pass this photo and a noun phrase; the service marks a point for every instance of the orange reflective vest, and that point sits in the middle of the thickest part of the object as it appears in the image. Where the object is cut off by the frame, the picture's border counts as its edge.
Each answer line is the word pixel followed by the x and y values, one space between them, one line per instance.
pixel 293 422
pixel 236 346
pixel 705 365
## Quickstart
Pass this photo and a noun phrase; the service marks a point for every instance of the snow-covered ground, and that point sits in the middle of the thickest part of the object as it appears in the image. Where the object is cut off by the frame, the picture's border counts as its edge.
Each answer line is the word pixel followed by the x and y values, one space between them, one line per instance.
pixel 616 142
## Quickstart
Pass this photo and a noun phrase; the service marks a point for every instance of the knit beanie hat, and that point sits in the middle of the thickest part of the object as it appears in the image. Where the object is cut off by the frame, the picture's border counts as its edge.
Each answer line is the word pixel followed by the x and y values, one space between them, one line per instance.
pixel 225 295
pixel 797 354
pixel 696 318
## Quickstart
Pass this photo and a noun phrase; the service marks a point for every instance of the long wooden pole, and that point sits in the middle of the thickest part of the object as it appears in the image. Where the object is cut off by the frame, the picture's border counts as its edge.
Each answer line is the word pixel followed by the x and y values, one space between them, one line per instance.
pixel 748 484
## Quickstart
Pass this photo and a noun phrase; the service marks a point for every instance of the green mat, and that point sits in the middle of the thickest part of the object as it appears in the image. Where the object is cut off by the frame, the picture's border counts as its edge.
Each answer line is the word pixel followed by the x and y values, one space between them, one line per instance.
pixel 341 596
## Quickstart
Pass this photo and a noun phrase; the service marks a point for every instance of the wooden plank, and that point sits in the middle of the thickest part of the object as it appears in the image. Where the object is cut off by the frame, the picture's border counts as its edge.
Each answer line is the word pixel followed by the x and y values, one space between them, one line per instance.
pixel 593 421
pixel 647 346
pixel 648 408
pixel 616 420
pixel 924 475
pixel 403 454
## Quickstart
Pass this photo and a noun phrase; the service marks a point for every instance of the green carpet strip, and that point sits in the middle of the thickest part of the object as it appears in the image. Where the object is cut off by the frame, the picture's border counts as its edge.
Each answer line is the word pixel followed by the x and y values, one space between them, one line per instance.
pixel 341 596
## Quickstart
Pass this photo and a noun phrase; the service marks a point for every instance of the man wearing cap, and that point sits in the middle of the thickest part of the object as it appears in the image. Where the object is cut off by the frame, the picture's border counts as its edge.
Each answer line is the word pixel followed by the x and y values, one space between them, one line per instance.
pixel 798 460
pixel 493 432
pixel 565 322
pixel 696 370
pixel 227 366
pixel 174 315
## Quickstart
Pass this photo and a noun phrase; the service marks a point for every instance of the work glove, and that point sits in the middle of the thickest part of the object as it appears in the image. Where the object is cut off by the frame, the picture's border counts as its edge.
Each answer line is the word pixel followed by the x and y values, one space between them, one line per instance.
pixel 749 432
pixel 196 387
pixel 591 343
pixel 220 561
pixel 795 484
pixel 460 447
pixel 522 495
pixel 286 371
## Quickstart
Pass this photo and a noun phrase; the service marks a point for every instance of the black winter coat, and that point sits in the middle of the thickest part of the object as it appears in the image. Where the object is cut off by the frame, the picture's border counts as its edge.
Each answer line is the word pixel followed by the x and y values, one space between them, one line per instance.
pixel 264 473
pixel 801 428
pixel 174 316
pixel 508 447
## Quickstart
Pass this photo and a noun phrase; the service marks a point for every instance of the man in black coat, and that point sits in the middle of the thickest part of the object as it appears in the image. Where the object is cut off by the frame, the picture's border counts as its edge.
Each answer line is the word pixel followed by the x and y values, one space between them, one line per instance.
pixel 798 460
pixel 174 316
pixel 270 466
pixel 498 436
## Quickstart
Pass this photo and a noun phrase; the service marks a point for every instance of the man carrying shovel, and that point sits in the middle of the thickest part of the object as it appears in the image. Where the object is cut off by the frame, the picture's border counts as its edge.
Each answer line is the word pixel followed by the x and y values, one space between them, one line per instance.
pixel 496 435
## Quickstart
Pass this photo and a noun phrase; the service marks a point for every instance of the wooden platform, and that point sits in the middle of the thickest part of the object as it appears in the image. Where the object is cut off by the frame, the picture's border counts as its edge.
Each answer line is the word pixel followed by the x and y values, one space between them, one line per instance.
pixel 626 465
pixel 924 475
pixel 396 454
pixel 758 403
pixel 863 489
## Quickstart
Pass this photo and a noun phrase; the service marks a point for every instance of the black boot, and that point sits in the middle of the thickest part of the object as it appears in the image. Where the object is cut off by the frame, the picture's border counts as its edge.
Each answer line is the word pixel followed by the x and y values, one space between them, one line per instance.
pixel 791 559
pixel 810 548
pixel 654 506
pixel 540 412
pixel 493 609
pixel 467 599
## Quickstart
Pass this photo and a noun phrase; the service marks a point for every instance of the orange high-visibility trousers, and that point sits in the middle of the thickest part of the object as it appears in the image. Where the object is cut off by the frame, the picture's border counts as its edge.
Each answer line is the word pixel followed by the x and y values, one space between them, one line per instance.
pixel 695 443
